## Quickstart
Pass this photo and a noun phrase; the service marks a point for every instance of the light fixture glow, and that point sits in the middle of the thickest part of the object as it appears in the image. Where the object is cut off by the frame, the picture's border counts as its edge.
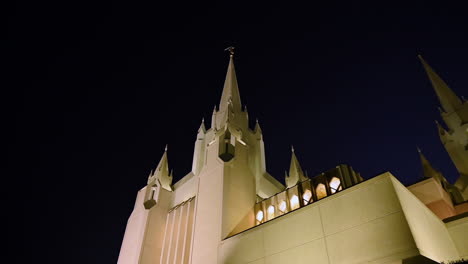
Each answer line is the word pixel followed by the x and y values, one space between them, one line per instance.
pixel 282 206
pixel 335 185
pixel 294 202
pixel 307 196
pixel 260 216
pixel 271 212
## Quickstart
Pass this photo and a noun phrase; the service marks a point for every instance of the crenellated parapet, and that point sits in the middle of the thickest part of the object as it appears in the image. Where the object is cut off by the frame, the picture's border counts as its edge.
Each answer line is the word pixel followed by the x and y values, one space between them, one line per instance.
pixel 306 192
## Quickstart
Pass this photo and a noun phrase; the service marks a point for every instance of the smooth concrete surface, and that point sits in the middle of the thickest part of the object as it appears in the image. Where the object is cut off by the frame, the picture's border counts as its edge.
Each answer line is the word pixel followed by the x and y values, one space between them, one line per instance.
pixel 458 230
pixel 429 232
pixel 365 223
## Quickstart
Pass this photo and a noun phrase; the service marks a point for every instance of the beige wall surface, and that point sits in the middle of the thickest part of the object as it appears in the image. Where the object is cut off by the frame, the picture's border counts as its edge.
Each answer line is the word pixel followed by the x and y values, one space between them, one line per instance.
pixel 458 230
pixel 429 232
pixel 365 223
pixel 134 233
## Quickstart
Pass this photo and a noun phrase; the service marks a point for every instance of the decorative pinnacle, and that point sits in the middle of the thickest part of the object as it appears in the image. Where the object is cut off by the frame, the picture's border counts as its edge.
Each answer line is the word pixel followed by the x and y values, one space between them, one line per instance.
pixel 419 150
pixel 165 148
pixel 292 148
pixel 231 50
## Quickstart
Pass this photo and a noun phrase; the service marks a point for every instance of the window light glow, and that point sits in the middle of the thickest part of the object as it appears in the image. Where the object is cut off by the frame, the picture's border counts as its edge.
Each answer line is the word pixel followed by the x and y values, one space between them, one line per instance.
pixel 321 191
pixel 294 202
pixel 282 206
pixel 335 185
pixel 307 196
pixel 260 216
pixel 270 212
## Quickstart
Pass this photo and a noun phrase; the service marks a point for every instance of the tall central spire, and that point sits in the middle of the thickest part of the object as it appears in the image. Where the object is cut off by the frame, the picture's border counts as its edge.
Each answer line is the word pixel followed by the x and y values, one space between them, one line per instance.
pixel 230 94
pixel 230 107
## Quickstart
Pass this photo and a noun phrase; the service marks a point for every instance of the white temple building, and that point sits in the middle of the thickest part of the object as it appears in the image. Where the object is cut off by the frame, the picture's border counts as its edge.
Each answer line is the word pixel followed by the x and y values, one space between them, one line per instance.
pixel 229 209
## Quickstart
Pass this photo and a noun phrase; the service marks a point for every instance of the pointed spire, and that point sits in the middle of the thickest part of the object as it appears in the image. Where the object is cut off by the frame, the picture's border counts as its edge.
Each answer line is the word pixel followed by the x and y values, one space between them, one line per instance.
pixel 213 119
pixel 296 174
pixel 162 172
pixel 428 170
pixel 448 99
pixel 202 126
pixel 257 128
pixel 441 129
pixel 230 95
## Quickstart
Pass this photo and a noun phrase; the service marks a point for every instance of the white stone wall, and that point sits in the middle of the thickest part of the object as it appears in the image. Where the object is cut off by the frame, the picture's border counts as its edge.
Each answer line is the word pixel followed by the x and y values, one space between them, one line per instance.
pixel 458 230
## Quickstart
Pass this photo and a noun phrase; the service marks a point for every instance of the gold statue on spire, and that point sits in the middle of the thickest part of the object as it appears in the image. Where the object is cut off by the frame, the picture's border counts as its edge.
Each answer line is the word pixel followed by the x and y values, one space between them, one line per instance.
pixel 231 50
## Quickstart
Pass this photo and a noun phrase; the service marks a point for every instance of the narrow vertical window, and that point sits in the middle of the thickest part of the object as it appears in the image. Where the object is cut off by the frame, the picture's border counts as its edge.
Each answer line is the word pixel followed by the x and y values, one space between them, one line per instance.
pixel 270 212
pixel 282 207
pixel 259 217
pixel 335 185
pixel 321 191
pixel 294 202
pixel 307 196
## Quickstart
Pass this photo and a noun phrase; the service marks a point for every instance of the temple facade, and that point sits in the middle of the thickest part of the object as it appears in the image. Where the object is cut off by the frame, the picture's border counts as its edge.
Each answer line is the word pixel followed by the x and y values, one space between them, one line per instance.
pixel 229 209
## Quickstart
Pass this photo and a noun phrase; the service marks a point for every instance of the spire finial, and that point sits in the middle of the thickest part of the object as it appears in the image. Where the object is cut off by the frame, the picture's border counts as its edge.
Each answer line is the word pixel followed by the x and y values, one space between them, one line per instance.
pixel 165 148
pixel 292 148
pixel 231 50
pixel 419 150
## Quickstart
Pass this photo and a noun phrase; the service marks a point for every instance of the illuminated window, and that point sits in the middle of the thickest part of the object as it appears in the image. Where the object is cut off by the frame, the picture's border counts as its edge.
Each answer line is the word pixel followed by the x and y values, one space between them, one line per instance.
pixel 282 206
pixel 307 196
pixel 321 191
pixel 260 216
pixel 270 212
pixel 294 202
pixel 335 185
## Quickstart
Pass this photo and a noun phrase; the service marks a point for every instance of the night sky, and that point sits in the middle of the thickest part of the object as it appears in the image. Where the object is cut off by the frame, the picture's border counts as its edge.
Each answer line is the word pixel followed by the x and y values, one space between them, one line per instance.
pixel 95 90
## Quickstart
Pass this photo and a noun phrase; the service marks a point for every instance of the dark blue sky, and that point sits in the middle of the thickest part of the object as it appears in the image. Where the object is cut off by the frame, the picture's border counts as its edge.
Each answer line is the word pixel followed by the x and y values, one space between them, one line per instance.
pixel 97 90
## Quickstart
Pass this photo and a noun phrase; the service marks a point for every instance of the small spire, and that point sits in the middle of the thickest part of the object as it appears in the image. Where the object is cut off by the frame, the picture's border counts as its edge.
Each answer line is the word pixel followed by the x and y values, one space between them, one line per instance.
pixel 202 126
pixel 162 172
pixel 257 128
pixel 296 174
pixel 448 99
pixel 428 170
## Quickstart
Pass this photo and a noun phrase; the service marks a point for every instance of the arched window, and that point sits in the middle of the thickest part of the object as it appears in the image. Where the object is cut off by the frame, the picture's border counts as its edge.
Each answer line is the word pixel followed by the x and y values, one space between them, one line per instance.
pixel 321 191
pixel 282 207
pixel 307 196
pixel 335 185
pixel 294 202
pixel 259 216
pixel 270 212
